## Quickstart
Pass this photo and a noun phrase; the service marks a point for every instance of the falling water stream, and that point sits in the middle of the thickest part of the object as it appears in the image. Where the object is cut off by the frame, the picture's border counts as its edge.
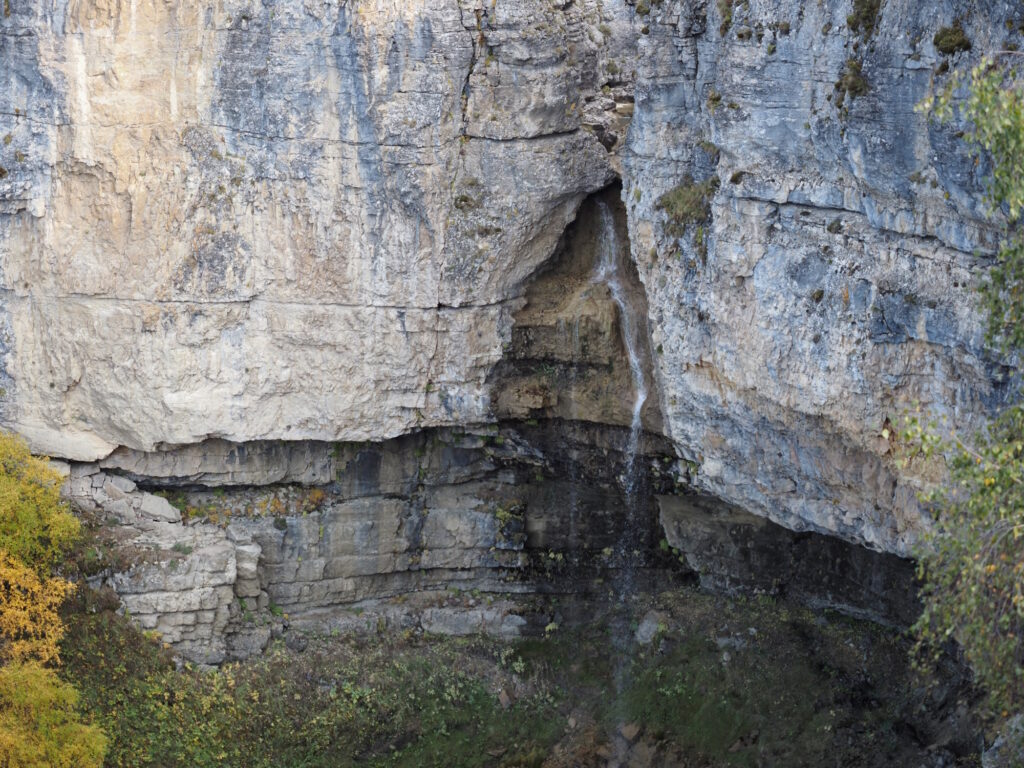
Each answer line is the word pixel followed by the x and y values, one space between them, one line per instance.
pixel 628 552
pixel 607 273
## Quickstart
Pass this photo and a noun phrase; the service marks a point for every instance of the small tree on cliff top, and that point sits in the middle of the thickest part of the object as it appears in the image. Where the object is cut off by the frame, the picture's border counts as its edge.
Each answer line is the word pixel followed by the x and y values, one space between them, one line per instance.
pixel 972 563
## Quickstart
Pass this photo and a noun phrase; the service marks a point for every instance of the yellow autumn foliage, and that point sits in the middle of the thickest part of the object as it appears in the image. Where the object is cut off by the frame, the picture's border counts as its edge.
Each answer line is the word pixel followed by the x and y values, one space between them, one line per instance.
pixel 30 627
pixel 39 722
pixel 35 526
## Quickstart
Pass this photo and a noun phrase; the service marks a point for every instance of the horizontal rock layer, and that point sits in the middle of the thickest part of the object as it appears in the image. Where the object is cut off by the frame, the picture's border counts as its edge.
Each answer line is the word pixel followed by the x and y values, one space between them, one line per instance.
pixel 444 531
pixel 304 223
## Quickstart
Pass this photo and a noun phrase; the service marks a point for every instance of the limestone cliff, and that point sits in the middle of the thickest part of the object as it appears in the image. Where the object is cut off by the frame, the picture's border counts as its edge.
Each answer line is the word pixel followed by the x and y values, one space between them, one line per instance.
pixel 254 222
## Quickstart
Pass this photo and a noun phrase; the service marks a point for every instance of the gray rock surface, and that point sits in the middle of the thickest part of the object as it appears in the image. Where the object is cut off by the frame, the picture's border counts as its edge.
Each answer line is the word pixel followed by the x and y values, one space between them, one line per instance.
pixel 1007 750
pixel 831 286
pixel 300 221
pixel 306 223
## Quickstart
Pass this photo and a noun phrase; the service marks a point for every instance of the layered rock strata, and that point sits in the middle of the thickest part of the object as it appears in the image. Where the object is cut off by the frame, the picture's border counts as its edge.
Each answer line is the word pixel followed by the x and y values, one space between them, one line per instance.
pixel 233 235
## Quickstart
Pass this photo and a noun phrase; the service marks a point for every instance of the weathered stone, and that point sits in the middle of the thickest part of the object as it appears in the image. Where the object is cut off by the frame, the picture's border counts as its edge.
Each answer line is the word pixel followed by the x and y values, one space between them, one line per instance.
pixel 246 560
pixel 1007 751
pixel 345 224
pixel 120 509
pixel 368 230
pixel 62 468
pixel 112 491
pixel 733 550
pixel 491 621
pixel 652 623
pixel 121 483
pixel 158 508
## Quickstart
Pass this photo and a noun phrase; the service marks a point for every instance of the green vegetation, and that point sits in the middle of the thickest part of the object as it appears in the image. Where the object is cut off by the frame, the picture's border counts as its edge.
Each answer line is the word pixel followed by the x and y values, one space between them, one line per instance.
pixel 466 202
pixel 851 82
pixel 704 688
pixel 972 564
pixel 378 702
pixel 701 693
pixel 688 203
pixel 35 526
pixel 950 40
pixel 864 17
pixel 643 7
pixel 725 11
pixel 39 722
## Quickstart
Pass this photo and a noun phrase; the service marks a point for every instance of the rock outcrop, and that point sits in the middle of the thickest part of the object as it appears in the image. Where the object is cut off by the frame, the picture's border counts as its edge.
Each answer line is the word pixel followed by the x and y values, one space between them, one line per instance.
pixel 299 221
pixel 240 240
pixel 829 284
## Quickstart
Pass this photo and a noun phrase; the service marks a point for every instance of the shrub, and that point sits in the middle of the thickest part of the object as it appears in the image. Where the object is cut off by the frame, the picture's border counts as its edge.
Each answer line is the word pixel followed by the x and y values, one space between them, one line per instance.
pixel 851 82
pixel 35 526
pixel 687 203
pixel 30 627
pixel 39 723
pixel 950 40
pixel 972 563
pixel 864 17
pixel 725 11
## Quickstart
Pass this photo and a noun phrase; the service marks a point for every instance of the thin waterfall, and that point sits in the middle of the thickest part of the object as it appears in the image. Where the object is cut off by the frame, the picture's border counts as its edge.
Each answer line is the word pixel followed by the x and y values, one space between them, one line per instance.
pixel 573 341
pixel 607 273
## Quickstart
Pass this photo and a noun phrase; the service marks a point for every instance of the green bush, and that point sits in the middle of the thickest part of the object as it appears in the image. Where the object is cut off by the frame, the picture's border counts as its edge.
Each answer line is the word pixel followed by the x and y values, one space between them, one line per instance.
pixel 39 722
pixel 972 563
pixel 950 40
pixel 35 526
pixel 688 203
pixel 864 17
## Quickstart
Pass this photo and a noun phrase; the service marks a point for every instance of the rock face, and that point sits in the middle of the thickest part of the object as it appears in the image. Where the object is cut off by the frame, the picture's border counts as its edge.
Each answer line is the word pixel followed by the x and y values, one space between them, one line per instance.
pixel 832 284
pixel 303 224
pixel 395 528
pixel 445 531
pixel 299 221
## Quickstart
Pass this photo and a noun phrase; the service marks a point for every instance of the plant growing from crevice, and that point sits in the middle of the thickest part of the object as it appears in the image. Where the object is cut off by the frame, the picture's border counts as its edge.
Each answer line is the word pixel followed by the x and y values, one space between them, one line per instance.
pixel 864 18
pixel 725 11
pixel 851 82
pixel 950 40
pixel 687 203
